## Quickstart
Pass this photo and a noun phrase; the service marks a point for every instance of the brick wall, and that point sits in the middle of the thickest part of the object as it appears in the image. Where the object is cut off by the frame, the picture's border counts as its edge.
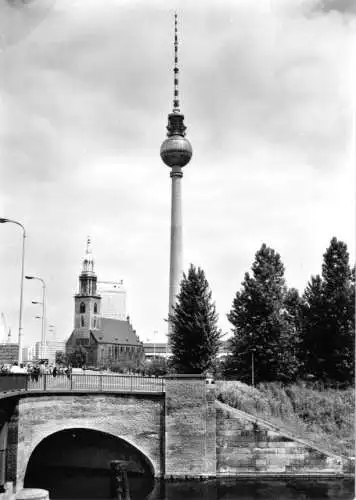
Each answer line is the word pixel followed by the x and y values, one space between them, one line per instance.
pixel 246 445
pixel 190 427
pixel 137 419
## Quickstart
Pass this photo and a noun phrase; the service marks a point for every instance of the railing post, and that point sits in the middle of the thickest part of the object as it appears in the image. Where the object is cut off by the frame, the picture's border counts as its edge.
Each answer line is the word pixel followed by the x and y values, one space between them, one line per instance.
pixel 71 382
pixel 131 382
pixel 44 381
pixel 101 382
pixel 26 383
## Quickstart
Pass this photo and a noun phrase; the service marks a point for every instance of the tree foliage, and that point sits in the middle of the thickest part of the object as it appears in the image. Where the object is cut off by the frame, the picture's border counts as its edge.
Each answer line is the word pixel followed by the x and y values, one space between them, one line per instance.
pixel 61 358
pixel 156 367
pixel 194 337
pixel 78 357
pixel 328 318
pixel 264 316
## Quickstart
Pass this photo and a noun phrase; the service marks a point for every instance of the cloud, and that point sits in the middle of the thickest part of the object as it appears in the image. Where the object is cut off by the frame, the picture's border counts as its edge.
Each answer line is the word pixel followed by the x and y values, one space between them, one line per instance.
pixel 19 18
pixel 343 6
pixel 266 91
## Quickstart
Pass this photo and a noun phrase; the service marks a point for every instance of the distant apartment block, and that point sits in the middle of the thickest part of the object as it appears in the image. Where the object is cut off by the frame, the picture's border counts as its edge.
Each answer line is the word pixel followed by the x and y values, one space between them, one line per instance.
pixel 28 354
pixel 113 299
pixel 156 349
pixel 50 350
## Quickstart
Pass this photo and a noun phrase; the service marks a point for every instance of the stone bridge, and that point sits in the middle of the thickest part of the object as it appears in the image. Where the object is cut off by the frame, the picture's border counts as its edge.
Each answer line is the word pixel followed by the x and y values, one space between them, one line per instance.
pixel 167 429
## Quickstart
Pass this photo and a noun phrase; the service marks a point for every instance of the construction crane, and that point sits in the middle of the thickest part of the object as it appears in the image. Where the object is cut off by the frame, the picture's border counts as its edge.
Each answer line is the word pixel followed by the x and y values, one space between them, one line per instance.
pixel 6 337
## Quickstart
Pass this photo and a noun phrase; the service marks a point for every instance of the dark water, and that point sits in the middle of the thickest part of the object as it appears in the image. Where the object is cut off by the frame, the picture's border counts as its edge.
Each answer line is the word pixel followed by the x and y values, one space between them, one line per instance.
pixel 66 484
pixel 255 489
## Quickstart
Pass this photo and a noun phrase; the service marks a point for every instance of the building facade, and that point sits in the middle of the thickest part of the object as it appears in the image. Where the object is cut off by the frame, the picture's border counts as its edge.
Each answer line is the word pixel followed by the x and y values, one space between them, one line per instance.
pixel 113 299
pixel 157 350
pixel 104 342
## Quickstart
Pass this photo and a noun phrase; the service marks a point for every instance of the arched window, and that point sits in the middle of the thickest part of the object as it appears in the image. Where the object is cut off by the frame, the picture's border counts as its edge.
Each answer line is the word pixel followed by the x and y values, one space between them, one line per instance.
pixel 94 323
pixel 82 308
pixel 82 320
pixel 95 308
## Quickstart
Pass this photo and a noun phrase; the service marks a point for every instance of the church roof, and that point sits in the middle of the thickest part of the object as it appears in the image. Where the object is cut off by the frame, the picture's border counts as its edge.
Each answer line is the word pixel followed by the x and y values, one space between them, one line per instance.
pixel 115 331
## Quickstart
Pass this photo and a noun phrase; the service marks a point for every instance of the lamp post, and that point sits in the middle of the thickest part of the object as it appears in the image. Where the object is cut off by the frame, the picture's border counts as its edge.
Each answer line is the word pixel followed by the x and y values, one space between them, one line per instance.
pixel 253 367
pixel 43 330
pixel 3 221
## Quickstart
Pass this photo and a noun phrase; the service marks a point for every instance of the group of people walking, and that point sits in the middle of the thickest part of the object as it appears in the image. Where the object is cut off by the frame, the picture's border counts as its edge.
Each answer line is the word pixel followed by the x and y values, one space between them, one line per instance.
pixel 35 372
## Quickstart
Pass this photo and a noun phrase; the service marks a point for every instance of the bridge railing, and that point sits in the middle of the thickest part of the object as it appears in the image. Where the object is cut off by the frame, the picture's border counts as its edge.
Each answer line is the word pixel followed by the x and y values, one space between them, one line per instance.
pixel 96 382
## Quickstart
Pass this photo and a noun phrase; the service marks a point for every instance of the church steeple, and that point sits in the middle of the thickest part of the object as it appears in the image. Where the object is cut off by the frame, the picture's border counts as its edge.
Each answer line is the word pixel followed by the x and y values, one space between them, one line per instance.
pixel 88 262
pixel 87 278
pixel 87 300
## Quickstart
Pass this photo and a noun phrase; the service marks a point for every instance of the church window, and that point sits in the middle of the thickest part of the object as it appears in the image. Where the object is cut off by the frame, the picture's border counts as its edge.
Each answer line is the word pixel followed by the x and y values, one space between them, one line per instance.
pixel 82 308
pixel 95 308
pixel 82 321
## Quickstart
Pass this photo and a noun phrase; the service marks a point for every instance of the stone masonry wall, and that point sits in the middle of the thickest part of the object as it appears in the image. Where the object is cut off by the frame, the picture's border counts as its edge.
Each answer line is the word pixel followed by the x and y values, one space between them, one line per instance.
pixel 247 446
pixel 138 419
pixel 190 447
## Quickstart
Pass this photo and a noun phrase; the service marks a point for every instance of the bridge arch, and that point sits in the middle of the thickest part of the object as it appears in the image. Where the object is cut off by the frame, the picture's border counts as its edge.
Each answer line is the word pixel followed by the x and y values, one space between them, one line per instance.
pixel 133 420
pixel 75 462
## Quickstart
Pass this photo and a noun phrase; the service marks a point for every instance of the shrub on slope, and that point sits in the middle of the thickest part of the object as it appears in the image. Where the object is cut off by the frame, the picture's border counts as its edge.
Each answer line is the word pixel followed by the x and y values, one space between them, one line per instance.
pixel 324 417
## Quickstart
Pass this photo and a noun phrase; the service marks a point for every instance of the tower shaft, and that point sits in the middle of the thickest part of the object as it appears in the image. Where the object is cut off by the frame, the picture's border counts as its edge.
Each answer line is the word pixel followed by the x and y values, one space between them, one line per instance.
pixel 176 255
pixel 176 152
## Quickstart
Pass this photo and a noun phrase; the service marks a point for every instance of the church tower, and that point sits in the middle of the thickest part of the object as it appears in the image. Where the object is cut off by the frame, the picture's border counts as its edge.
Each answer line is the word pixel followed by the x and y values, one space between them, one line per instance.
pixel 87 301
pixel 176 152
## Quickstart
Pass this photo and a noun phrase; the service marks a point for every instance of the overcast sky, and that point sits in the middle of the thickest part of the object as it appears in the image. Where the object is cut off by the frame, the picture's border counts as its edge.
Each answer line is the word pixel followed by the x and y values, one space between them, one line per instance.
pixel 86 86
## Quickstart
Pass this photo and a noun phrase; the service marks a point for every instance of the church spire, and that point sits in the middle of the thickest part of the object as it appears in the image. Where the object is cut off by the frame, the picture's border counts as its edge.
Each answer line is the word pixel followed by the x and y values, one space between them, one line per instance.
pixel 88 245
pixel 88 262
pixel 87 278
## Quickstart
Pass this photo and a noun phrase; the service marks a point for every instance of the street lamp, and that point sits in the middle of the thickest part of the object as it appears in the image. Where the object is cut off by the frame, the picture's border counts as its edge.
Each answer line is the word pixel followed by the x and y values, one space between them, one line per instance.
pixel 43 331
pixel 3 221
pixel 253 366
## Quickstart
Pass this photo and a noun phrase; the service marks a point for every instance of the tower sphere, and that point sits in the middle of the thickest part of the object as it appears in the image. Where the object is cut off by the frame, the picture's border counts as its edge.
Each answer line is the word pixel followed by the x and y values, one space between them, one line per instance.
pixel 176 151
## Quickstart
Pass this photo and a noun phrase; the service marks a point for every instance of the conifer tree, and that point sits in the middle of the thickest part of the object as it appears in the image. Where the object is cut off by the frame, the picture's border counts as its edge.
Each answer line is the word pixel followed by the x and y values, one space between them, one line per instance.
pixel 328 318
pixel 262 324
pixel 195 337
pixel 312 347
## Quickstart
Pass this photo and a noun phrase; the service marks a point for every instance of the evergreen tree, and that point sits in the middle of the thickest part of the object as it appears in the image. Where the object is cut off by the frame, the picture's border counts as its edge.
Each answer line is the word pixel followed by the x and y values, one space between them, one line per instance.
pixel 312 347
pixel 262 324
pixel 328 319
pixel 195 337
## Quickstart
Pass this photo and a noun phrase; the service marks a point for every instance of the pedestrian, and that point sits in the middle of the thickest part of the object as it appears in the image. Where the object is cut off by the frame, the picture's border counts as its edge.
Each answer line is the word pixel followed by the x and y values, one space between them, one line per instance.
pixel 54 373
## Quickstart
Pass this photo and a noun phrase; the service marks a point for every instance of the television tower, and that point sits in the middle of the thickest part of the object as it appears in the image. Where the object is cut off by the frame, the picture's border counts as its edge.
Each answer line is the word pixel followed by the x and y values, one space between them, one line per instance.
pixel 176 152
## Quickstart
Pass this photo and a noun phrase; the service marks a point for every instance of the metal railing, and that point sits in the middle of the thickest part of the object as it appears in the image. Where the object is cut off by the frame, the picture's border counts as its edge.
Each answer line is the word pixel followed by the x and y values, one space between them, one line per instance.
pixel 82 383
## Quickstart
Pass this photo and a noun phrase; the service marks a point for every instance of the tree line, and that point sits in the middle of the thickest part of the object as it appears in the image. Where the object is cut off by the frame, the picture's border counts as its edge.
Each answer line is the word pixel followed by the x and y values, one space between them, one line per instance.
pixel 288 336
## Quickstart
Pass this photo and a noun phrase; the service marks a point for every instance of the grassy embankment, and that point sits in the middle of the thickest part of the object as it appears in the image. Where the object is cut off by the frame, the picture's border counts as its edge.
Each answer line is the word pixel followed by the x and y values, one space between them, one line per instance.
pixel 324 417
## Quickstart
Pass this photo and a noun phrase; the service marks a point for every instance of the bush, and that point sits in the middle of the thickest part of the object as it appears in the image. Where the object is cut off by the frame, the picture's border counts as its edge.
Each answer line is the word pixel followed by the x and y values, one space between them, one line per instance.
pixel 156 367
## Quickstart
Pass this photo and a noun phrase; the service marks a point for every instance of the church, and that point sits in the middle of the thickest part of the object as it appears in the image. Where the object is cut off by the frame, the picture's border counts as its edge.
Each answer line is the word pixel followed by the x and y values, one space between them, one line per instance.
pixel 108 343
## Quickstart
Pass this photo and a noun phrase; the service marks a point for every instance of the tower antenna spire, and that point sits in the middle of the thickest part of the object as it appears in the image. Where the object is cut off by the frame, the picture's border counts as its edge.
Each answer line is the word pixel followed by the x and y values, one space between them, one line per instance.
pixel 176 67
